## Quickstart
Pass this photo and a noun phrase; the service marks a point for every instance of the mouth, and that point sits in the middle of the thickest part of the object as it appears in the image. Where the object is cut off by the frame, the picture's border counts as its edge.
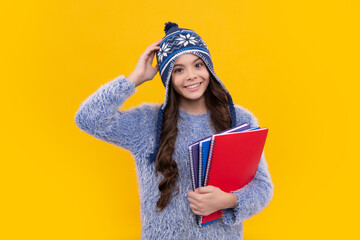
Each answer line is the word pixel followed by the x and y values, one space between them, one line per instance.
pixel 192 86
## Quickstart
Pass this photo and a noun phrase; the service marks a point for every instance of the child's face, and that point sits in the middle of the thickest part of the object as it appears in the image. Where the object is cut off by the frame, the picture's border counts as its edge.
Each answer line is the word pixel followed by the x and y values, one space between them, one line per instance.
pixel 190 77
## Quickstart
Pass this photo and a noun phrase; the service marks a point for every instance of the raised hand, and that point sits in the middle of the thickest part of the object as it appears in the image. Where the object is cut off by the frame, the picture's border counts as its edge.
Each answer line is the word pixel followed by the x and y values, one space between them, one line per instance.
pixel 144 70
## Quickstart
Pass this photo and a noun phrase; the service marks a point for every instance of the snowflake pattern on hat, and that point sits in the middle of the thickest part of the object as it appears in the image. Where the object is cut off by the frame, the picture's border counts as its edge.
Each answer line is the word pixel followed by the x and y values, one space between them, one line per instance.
pixel 186 39
pixel 163 51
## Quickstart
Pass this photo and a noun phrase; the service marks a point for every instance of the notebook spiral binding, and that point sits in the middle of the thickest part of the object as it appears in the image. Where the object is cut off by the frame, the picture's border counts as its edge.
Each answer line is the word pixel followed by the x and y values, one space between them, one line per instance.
pixel 208 167
pixel 192 168
pixel 200 163
pixel 193 178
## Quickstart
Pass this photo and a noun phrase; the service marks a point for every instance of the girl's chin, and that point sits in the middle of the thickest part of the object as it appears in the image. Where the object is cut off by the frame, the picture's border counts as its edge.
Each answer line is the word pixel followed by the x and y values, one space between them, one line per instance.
pixel 192 97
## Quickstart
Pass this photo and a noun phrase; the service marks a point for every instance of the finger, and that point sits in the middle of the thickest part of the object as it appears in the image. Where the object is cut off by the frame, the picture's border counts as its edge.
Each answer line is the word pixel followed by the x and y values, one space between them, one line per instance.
pixel 192 194
pixel 197 212
pixel 196 199
pixel 150 59
pixel 193 201
pixel 155 45
pixel 206 189
pixel 202 190
pixel 194 207
pixel 153 48
pixel 156 68
pixel 150 53
pixel 157 42
pixel 192 198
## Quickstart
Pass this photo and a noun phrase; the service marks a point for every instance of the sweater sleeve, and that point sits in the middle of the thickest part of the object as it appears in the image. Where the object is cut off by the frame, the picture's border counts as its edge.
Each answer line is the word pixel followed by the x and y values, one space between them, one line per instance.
pixel 99 116
pixel 256 195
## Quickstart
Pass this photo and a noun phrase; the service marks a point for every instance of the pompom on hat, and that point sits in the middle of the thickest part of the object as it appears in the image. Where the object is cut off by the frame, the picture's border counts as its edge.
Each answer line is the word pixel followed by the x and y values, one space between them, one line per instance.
pixel 179 41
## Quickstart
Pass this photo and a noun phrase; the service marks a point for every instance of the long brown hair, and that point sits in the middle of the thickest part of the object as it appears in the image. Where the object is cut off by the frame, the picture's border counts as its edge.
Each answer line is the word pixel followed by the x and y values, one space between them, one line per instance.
pixel 217 103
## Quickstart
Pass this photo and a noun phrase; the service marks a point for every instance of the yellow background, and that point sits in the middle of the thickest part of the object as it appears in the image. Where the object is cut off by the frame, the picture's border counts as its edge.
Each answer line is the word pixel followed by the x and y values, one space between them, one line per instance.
pixel 294 64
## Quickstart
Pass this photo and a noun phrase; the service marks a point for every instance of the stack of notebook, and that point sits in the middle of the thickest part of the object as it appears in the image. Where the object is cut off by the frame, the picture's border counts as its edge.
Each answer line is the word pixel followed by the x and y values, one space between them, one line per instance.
pixel 227 160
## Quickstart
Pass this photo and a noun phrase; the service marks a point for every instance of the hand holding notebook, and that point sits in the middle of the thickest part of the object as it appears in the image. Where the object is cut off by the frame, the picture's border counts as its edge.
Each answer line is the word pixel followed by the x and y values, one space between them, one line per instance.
pixel 206 200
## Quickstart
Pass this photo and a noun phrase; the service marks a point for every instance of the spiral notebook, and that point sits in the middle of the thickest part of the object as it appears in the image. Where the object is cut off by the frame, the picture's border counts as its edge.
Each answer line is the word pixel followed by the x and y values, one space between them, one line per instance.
pixel 198 155
pixel 197 151
pixel 232 163
pixel 204 147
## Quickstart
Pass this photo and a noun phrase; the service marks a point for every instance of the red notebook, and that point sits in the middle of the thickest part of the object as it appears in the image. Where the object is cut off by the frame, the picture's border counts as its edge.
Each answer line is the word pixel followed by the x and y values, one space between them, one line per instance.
pixel 233 162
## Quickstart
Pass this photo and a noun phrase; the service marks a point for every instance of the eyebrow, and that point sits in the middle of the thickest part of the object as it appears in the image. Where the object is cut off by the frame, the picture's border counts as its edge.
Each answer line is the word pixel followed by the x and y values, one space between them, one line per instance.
pixel 192 62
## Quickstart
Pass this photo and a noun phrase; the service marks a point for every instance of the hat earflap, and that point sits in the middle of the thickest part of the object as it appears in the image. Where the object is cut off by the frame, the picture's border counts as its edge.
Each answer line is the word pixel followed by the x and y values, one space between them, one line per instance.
pixel 152 156
pixel 232 110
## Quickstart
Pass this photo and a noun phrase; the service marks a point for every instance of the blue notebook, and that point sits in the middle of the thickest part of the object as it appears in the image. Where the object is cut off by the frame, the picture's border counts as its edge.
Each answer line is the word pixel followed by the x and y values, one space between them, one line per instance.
pixel 204 147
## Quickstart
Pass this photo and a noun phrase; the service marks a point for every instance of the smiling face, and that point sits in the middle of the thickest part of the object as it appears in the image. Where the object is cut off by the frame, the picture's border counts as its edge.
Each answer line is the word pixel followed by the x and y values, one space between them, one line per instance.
pixel 190 79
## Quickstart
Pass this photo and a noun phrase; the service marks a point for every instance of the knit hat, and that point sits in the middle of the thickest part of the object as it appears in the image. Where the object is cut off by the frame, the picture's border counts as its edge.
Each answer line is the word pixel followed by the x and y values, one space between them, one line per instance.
pixel 178 41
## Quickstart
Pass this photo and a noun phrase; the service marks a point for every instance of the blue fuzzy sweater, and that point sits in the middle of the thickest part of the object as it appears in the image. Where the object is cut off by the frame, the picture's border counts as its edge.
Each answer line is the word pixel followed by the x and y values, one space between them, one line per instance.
pixel 134 129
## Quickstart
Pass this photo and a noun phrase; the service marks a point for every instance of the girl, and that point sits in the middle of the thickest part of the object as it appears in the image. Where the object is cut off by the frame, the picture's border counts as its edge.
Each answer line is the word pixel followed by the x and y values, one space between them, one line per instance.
pixel 196 105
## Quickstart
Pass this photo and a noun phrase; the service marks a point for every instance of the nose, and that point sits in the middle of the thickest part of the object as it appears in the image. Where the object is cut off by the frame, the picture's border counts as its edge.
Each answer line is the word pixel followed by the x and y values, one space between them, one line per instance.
pixel 191 74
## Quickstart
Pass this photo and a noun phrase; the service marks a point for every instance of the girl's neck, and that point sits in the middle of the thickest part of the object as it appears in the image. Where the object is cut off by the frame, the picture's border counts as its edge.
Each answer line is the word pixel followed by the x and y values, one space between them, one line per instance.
pixel 193 107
